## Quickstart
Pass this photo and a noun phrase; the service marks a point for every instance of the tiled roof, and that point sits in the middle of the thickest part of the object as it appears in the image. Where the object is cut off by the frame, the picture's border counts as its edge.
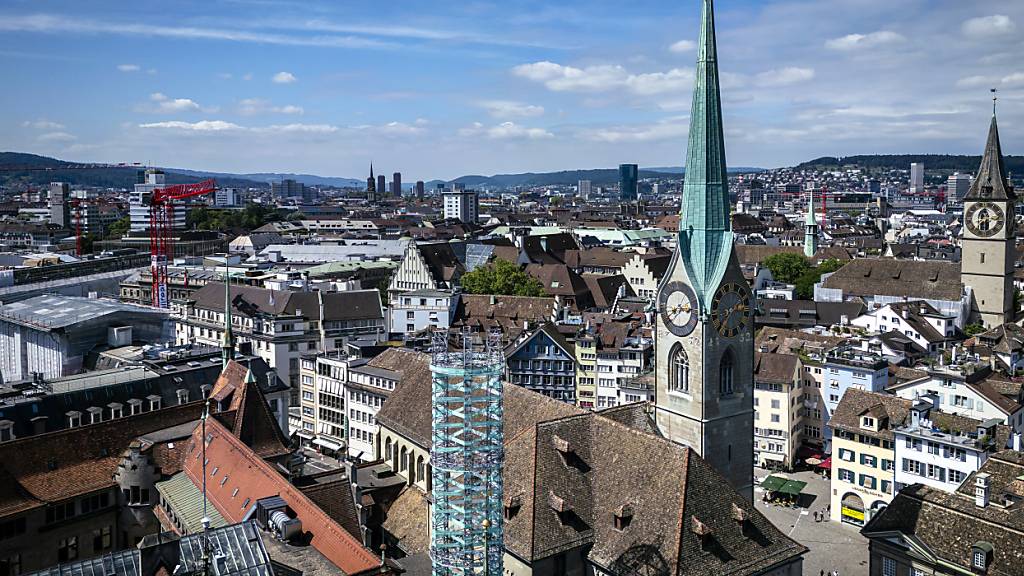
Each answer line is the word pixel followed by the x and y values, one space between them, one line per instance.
pixel 61 465
pixel 604 288
pixel 599 257
pixel 929 280
pixel 927 514
pixel 508 313
pixel 776 368
pixel 250 300
pixel 243 408
pixel 890 411
pixel 241 478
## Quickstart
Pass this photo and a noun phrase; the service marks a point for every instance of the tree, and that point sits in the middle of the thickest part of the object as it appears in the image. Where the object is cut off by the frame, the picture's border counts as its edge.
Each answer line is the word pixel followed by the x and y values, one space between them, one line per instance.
pixel 787 267
pixel 805 283
pixel 973 329
pixel 501 277
pixel 119 228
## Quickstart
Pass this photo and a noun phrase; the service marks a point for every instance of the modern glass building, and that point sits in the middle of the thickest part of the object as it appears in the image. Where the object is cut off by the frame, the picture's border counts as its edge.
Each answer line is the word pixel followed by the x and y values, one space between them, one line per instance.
pixel 628 181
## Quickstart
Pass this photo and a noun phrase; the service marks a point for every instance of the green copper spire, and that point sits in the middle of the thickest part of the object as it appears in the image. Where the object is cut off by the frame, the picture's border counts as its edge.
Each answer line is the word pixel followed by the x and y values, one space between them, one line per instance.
pixel 705 229
pixel 810 229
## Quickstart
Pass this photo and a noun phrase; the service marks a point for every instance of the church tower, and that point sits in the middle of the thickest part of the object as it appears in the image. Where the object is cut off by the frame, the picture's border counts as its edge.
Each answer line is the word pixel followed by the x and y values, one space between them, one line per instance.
pixel 987 254
pixel 704 335
pixel 371 187
pixel 810 228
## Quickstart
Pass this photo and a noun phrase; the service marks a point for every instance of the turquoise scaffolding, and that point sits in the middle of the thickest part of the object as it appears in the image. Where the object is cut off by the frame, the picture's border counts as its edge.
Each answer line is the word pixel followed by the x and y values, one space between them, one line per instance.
pixel 466 456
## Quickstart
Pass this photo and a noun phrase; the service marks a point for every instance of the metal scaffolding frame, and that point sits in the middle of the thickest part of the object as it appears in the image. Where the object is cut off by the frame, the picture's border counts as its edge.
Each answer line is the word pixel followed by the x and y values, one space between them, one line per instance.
pixel 467 456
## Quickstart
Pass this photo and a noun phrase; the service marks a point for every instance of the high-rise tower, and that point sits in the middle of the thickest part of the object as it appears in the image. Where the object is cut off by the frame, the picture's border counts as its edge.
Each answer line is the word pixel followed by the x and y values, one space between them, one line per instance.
pixel 704 327
pixel 810 228
pixel 988 253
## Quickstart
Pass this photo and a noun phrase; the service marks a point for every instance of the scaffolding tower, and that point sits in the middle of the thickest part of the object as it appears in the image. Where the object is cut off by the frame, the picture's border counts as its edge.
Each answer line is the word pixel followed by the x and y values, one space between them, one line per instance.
pixel 467 456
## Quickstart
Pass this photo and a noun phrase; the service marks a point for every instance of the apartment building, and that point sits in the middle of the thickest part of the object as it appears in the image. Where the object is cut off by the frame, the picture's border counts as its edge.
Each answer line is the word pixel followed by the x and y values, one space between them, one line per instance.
pixel 624 351
pixel 586 370
pixel 919 321
pixel 418 310
pixel 863 453
pixel 778 409
pixel 847 368
pixel 322 402
pixel 544 362
pixel 941 450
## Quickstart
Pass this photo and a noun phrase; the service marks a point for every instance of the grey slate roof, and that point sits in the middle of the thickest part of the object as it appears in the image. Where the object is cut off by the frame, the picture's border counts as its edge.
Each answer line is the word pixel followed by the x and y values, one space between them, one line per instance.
pixel 928 280
pixel 991 182
pixel 250 300
pixel 890 411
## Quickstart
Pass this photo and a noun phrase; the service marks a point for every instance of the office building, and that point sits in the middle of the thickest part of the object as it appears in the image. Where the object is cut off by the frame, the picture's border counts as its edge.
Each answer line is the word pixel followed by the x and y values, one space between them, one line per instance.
pixel 629 175
pixel 381 184
pixel 461 204
pixel 419 188
pixel 139 203
pixel 288 188
pixel 60 210
pixel 583 189
pixel 396 185
pixel 916 178
pixel 225 197
pixel 957 186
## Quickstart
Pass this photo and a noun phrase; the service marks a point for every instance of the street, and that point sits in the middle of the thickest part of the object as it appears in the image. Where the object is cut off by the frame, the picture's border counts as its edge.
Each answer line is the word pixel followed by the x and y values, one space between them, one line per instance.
pixel 832 546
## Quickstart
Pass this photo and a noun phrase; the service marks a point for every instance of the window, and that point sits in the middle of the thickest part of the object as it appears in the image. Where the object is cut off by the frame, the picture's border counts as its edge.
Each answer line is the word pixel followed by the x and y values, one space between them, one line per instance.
pixel 887 486
pixel 775 404
pixel 868 482
pixel 12 528
pixel 845 475
pixel 888 566
pixel 101 539
pixel 868 460
pixel 725 374
pixel 979 559
pixel 12 563
pixel 846 455
pixel 775 418
pixel 887 465
pixel 67 549
pixel 956 476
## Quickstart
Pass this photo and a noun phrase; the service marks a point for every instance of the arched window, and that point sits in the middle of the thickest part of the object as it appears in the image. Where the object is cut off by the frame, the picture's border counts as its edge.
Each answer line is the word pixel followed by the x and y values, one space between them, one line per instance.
pixel 420 472
pixel 387 449
pixel 679 370
pixel 413 471
pixel 725 374
pixel 404 459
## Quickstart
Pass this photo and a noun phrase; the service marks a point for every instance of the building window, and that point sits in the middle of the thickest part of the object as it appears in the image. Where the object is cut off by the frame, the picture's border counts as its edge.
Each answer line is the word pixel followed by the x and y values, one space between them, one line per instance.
pixel 101 539
pixel 888 566
pixel 725 374
pixel 67 549
pixel 979 559
pixel 182 396
pixel 404 460
pixel 679 375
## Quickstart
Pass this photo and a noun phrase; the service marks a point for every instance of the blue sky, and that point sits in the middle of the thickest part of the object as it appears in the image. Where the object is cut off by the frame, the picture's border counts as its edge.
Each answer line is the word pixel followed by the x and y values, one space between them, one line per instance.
pixel 444 88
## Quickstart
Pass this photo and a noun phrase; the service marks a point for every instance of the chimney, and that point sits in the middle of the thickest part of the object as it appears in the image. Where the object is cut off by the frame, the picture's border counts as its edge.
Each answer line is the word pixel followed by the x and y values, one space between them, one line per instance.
pixel 906 313
pixel 1016 442
pixel 981 489
pixel 494 300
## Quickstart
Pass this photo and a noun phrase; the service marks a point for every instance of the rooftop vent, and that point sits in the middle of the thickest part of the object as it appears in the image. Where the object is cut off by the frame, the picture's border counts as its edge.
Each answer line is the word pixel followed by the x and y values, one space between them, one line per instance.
pixel 558 504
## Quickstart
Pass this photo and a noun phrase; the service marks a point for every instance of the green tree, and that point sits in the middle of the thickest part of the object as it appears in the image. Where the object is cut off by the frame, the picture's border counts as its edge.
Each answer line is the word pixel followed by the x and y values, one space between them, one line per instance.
pixel 501 277
pixel 119 228
pixel 805 283
pixel 787 267
pixel 973 329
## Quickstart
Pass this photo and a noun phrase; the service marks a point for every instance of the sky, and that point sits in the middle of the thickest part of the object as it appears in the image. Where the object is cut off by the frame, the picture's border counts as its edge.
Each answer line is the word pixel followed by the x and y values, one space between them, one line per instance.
pixel 445 88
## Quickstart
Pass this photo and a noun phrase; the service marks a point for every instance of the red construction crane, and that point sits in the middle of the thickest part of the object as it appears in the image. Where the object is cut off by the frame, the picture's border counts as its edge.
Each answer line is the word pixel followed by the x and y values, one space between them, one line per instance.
pixel 161 220
pixel 76 205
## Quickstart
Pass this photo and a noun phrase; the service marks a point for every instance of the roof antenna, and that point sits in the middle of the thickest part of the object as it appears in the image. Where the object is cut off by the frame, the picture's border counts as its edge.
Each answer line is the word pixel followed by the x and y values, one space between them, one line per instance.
pixel 206 517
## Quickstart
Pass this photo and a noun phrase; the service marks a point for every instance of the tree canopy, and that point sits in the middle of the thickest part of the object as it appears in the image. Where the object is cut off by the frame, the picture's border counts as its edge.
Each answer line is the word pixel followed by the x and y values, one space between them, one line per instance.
pixel 251 217
pixel 501 277
pixel 797 270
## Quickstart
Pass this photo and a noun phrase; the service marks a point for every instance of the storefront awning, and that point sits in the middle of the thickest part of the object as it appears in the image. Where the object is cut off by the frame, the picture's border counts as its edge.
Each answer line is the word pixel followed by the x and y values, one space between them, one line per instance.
pixel 792 487
pixel 327 444
pixel 773 456
pixel 773 483
pixel 827 463
pixel 305 434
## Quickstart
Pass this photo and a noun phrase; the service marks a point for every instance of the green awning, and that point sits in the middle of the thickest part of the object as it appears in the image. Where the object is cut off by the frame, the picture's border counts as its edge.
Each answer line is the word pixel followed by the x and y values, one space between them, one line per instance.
pixel 773 483
pixel 792 487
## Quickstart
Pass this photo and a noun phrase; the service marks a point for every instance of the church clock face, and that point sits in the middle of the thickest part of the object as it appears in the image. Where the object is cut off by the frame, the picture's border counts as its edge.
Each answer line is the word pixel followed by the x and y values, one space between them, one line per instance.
pixel 731 310
pixel 984 219
pixel 678 308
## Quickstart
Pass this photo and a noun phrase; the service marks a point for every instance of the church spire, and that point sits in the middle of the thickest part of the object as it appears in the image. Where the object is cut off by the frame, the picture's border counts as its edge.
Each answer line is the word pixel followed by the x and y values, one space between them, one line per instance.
pixel 991 182
pixel 810 228
pixel 704 224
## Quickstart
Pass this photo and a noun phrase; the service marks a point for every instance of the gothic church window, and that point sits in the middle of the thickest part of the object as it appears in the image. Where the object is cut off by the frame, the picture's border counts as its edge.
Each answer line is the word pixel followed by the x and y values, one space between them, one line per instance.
pixel 725 374
pixel 679 371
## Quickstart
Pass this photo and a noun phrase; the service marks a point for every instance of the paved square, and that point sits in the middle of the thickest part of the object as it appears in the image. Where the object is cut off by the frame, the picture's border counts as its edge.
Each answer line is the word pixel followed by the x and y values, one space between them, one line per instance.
pixel 832 546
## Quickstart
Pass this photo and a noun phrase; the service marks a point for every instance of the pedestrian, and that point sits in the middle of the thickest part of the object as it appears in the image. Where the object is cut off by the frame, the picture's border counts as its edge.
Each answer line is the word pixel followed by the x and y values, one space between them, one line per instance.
pixel 822 573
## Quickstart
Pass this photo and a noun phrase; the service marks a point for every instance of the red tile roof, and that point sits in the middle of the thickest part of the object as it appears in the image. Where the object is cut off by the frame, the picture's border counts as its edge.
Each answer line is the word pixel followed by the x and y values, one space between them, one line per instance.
pixel 254 478
pixel 243 409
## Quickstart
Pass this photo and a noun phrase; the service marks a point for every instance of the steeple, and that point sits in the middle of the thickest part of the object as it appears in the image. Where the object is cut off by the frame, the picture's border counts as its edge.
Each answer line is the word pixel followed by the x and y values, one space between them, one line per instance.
pixel 705 230
pixel 810 228
pixel 228 345
pixel 991 182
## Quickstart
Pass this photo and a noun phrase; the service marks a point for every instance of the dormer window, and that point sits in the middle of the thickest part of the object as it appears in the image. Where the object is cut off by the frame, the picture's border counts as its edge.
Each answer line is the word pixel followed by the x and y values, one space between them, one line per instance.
pixel 981 556
pixel 623 515
pixel 182 396
pixel 867 422
pixel 154 402
pixel 135 406
pixel 116 409
pixel 6 430
pixel 95 415
pixel 74 418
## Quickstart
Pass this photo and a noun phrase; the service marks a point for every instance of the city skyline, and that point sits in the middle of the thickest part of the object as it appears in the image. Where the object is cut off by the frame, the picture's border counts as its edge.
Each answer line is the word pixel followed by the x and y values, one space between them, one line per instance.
pixel 323 89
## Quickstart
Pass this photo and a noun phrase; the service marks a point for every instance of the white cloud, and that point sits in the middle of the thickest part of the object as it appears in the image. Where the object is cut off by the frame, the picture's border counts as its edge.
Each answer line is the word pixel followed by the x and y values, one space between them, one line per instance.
pixel 49 23
pixel 852 42
pixel 975 81
pixel 784 77
pixel 988 26
pixel 668 129
pixel 56 137
pixel 201 126
pixel 504 131
pixel 165 105
pixel 1014 79
pixel 682 46
pixel 247 76
pixel 225 75
pixel 284 78
pixel 128 67
pixel 43 125
pixel 254 106
pixel 511 109
pixel 511 130
pixel 304 128
pixel 602 78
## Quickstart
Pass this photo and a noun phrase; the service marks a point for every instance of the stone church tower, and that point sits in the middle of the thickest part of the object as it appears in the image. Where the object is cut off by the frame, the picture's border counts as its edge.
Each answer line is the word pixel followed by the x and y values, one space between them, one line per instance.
pixel 704 341
pixel 988 252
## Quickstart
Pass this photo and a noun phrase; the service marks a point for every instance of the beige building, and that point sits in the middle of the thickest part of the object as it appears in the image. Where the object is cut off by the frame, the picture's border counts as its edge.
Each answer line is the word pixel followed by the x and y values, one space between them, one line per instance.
pixel 778 409
pixel 644 272
pixel 863 453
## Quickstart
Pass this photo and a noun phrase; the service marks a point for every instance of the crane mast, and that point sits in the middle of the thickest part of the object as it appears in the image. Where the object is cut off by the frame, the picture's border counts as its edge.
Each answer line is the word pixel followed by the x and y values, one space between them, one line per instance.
pixel 161 221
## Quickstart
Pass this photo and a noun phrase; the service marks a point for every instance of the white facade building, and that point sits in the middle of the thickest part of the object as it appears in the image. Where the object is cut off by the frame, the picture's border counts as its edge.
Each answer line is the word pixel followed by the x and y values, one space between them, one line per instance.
pixel 957 186
pixel 462 205
pixel 969 390
pixel 139 203
pixel 419 310
pixel 917 178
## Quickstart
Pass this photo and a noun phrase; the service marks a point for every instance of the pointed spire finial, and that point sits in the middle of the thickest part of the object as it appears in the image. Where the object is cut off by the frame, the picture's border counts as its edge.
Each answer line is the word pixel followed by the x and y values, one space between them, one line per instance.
pixel 995 99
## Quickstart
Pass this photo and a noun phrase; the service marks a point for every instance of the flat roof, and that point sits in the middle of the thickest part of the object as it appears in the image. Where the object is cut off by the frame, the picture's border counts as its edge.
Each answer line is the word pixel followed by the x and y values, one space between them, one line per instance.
pixel 53 311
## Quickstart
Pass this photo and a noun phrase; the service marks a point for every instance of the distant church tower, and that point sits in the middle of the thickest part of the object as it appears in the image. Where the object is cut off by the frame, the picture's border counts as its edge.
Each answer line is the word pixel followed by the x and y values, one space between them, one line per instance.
pixel 371 187
pixel 704 341
pixel 988 253
pixel 810 229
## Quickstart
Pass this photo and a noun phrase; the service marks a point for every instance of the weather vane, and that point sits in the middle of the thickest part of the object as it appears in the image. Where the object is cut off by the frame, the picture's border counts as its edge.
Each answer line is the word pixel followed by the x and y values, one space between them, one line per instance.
pixel 995 98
